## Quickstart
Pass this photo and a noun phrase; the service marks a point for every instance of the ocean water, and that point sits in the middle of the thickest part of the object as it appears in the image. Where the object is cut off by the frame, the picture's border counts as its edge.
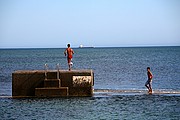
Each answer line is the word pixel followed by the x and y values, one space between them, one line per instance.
pixel 120 75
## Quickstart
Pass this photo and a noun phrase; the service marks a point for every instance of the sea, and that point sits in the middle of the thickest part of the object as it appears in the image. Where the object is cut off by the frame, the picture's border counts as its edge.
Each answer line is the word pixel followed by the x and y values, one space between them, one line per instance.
pixel 119 77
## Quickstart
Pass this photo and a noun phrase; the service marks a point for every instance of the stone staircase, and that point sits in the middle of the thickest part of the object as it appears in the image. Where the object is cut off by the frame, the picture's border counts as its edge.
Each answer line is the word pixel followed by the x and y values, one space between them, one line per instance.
pixel 52 87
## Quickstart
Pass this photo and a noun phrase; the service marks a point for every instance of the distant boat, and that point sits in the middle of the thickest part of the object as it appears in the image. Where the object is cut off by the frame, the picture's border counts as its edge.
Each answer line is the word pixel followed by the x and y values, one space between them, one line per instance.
pixel 81 46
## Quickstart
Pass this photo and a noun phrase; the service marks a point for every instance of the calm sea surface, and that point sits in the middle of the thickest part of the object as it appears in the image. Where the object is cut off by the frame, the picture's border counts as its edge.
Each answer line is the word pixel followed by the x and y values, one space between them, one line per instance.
pixel 115 69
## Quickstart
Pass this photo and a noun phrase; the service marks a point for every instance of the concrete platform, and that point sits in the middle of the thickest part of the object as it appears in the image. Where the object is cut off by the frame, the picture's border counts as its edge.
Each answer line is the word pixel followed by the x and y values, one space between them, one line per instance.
pixel 31 82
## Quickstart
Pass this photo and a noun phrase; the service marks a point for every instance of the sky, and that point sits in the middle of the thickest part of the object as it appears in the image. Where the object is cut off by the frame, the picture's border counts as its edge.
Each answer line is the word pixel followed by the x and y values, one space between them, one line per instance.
pixel 98 23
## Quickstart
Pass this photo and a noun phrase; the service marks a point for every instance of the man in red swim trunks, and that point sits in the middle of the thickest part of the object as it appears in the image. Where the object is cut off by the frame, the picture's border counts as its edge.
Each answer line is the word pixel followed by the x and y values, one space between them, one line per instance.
pixel 148 83
pixel 69 51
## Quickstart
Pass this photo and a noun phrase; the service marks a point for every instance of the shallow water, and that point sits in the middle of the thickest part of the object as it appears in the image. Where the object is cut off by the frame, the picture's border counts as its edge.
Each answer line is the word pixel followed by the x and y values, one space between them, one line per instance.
pixel 105 107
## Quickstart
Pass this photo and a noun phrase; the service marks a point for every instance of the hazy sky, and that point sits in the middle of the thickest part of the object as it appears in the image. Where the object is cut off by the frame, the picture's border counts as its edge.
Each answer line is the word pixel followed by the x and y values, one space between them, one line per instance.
pixel 101 23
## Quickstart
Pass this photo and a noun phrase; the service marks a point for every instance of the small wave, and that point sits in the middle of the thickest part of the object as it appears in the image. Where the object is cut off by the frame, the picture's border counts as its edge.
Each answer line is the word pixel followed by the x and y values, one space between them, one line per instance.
pixel 157 91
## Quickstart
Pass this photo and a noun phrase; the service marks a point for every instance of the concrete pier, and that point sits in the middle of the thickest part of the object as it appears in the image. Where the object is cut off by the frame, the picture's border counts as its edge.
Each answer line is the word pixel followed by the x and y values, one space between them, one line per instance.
pixel 51 83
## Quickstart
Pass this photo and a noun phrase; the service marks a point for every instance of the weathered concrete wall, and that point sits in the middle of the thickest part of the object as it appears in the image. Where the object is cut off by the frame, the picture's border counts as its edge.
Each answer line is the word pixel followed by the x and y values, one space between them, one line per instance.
pixel 25 82
pixel 32 82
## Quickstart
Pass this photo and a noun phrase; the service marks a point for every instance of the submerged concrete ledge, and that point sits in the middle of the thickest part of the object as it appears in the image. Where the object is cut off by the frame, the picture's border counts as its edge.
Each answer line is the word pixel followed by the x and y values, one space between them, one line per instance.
pixel 52 83
pixel 111 92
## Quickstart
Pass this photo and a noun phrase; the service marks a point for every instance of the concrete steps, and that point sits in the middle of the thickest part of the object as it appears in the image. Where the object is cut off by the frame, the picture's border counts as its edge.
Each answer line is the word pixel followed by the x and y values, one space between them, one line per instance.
pixel 52 88
pixel 52 83
pixel 51 92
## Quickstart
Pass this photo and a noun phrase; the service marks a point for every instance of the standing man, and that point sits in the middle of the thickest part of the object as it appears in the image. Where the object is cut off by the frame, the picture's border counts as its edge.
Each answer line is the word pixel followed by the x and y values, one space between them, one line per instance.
pixel 148 83
pixel 69 51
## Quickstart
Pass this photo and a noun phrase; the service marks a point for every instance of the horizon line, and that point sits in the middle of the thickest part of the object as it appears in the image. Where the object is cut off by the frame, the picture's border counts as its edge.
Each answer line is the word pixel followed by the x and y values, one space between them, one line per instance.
pixel 92 48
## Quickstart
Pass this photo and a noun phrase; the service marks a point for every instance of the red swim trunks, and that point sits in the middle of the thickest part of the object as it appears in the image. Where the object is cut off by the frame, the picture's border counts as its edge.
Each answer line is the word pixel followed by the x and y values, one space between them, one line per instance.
pixel 70 56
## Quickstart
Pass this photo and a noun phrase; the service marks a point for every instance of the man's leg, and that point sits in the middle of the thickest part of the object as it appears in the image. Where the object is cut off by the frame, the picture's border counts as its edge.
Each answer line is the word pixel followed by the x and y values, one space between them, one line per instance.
pixel 69 64
pixel 150 87
pixel 146 84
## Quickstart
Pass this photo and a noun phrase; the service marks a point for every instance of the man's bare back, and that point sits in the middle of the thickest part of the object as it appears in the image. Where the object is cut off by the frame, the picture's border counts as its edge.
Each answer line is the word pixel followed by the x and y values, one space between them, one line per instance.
pixel 70 52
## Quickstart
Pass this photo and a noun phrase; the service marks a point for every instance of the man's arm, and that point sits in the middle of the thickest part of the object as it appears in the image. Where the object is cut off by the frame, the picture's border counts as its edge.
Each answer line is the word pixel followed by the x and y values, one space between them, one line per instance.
pixel 65 52
pixel 72 51
pixel 151 75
